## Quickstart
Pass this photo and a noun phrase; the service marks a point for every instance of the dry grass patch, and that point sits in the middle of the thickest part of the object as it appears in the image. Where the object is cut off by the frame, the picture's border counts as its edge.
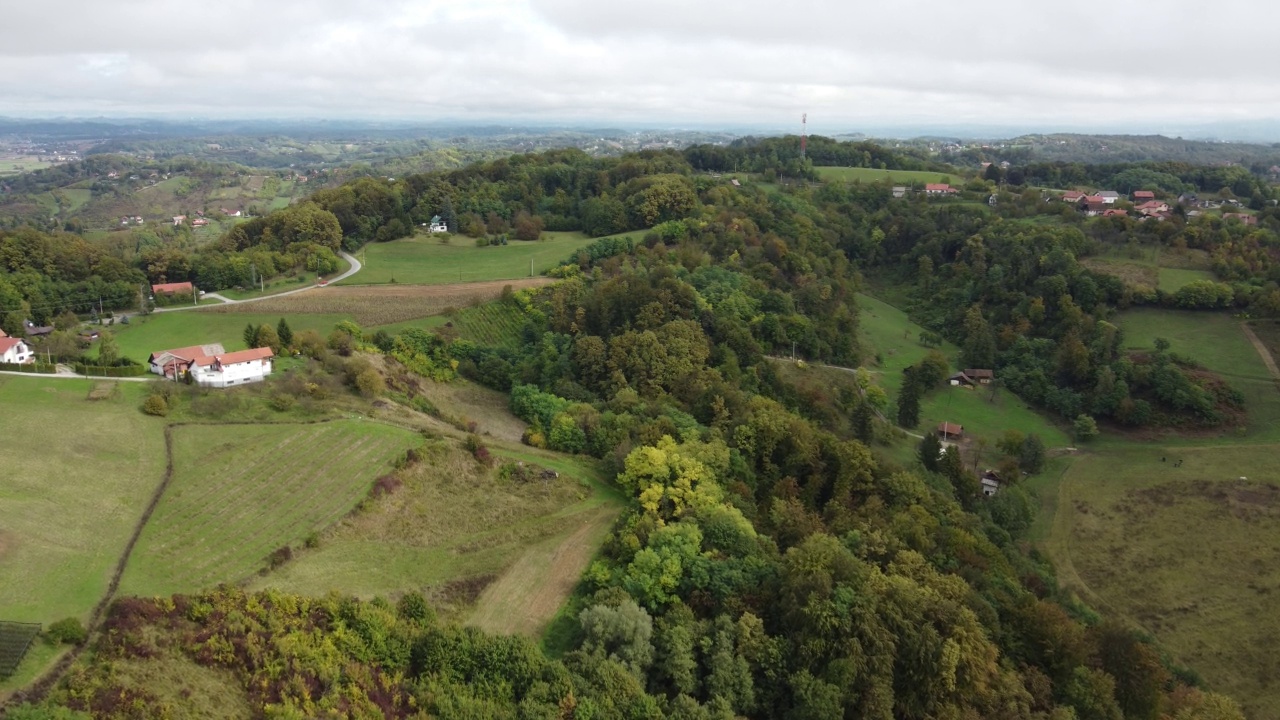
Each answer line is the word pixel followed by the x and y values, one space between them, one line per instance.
pixel 1131 274
pixel 466 401
pixel 373 305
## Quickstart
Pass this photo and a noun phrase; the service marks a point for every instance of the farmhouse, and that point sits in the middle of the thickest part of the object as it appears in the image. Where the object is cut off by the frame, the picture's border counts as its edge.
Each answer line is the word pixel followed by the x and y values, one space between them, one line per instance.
pixel 437 225
pixel 961 380
pixel 1115 212
pixel 899 191
pixel 33 330
pixel 981 376
pixel 1143 196
pixel 15 350
pixel 1153 207
pixel 1073 196
pixel 199 222
pixel 179 219
pixel 237 368
pixel 169 362
pixel 939 189
pixel 184 288
pixel 1109 196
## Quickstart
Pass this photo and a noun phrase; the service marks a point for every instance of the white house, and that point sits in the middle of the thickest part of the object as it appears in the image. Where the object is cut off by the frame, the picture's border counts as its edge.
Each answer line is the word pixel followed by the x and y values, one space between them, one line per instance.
pixel 1109 196
pixel 437 225
pixel 237 368
pixel 15 350
pixel 990 483
pixel 170 363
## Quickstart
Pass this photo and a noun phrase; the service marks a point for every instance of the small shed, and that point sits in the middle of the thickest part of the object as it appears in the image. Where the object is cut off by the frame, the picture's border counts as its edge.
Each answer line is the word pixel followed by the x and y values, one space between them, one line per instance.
pixel 960 379
pixel 950 430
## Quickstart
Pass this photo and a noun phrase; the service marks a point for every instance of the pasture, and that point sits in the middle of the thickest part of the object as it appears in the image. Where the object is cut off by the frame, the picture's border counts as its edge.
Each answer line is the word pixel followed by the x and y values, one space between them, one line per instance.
pixel 1173 279
pixel 80 474
pixel 428 260
pixel 468 537
pixel 1174 541
pixel 874 175
pixel 18 164
pixel 240 492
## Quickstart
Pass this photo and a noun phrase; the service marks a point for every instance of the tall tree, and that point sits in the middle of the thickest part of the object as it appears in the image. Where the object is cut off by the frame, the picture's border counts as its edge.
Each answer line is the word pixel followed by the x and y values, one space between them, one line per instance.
pixel 909 405
pixel 979 350
pixel 930 449
pixel 251 335
pixel 285 333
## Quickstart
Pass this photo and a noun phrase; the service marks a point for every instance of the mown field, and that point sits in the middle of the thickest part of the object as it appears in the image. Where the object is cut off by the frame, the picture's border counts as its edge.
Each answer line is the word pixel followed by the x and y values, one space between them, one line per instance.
pixel 873 175
pixel 1152 267
pixel 500 553
pixel 240 492
pixel 78 475
pixel 162 331
pixel 427 260
pixel 1174 541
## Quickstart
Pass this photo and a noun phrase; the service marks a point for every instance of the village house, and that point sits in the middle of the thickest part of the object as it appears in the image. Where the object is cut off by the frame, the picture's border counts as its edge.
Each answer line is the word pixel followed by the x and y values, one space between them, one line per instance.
pixel 201 222
pixel 237 368
pixel 1073 196
pixel 231 213
pixel 1108 196
pixel 899 191
pixel 184 288
pixel 939 189
pixel 961 380
pixel 179 219
pixel 15 351
pixel 950 430
pixel 437 225
pixel 1152 207
pixel 990 482
pixel 1093 205
pixel 1115 212
pixel 1140 196
pixel 33 330
pixel 169 362
pixel 982 376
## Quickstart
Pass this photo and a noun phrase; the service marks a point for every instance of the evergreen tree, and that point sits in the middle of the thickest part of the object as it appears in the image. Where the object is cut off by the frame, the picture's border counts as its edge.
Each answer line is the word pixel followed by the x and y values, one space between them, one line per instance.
pixel 285 333
pixel 909 405
pixel 930 450
pixel 979 350
pixel 251 335
pixel 1032 454
pixel 862 420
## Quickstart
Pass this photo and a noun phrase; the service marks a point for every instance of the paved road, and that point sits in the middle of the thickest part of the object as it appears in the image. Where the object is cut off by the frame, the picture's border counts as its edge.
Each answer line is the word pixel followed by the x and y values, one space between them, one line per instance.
pixel 355 268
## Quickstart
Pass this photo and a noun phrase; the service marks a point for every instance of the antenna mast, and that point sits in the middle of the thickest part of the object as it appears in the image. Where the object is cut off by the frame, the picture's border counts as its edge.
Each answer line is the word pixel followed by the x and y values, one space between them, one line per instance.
pixel 804 133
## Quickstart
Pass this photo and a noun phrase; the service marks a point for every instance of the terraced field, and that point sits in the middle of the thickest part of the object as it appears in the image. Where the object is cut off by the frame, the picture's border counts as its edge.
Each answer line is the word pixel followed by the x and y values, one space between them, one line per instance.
pixel 240 492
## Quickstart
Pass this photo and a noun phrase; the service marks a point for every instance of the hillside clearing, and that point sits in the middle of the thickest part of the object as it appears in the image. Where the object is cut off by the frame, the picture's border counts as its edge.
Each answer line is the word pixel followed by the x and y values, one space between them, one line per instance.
pixel 162 331
pixel 1119 536
pixel 873 175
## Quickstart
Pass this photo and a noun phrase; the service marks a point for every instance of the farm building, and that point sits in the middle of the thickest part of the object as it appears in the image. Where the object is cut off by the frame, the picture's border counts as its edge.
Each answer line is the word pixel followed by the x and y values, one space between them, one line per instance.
pixel 950 430
pixel 1073 196
pixel 1108 197
pixel 990 483
pixel 184 288
pixel 960 379
pixel 437 225
pixel 899 191
pixel 1143 196
pixel 33 330
pixel 237 368
pixel 982 376
pixel 939 189
pixel 15 350
pixel 169 362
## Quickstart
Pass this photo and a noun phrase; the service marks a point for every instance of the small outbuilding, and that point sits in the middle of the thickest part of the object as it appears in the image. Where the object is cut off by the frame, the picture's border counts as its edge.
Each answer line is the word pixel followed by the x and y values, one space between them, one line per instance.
pixel 948 430
pixel 990 482
pixel 982 376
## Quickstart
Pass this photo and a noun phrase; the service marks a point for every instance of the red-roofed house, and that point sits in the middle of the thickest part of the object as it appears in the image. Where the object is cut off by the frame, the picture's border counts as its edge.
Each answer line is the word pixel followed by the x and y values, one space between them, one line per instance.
pixel 1093 206
pixel 939 189
pixel 237 368
pixel 1153 207
pixel 1143 195
pixel 15 350
pixel 1073 196
pixel 1115 212
pixel 172 288
pixel 950 430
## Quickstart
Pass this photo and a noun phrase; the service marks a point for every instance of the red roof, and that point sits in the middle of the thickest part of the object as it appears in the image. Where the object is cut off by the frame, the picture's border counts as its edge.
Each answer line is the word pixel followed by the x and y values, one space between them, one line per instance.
pixel 1144 195
pixel 186 353
pixel 170 288
pixel 235 357
pixel 938 187
pixel 946 428
pixel 1072 195
pixel 1094 199
pixel 8 343
pixel 1114 213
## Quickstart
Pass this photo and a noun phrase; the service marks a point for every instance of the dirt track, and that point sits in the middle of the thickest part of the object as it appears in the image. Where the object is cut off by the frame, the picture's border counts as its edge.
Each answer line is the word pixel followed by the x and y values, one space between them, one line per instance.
pixel 1265 354
pixel 483 288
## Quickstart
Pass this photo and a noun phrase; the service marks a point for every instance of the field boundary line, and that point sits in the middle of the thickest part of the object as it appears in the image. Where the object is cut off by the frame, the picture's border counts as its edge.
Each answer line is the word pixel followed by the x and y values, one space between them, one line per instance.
pixel 1263 352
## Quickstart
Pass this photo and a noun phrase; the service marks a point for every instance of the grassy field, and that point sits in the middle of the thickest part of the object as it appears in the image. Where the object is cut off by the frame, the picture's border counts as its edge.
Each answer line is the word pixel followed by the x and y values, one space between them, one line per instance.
pixel 1173 279
pixel 873 175
pixel 494 324
pixel 890 335
pixel 426 260
pixel 11 165
pixel 81 473
pixel 1118 535
pixel 239 492
pixel 458 531
pixel 161 331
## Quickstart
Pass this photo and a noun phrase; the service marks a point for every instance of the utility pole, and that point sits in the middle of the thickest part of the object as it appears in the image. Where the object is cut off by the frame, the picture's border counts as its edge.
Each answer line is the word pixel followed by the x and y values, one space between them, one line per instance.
pixel 530 267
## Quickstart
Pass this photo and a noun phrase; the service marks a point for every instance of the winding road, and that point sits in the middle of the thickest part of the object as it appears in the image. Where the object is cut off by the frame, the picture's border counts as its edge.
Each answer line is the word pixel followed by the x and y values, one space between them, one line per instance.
pixel 355 268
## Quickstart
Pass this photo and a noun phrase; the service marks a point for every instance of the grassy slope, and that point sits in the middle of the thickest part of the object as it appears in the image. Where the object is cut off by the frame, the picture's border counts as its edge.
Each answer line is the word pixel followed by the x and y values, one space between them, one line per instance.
pixel 81 474
pixel 1120 538
pixel 241 491
pixel 871 175
pixel 1173 279
pixel 425 260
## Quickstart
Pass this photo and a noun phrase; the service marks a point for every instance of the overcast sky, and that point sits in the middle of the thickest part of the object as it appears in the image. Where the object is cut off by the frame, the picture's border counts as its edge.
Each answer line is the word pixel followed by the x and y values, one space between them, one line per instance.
pixel 666 62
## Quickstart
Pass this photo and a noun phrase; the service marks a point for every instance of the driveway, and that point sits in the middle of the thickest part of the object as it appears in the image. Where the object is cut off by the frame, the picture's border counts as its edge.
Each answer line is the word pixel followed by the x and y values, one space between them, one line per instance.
pixel 355 268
